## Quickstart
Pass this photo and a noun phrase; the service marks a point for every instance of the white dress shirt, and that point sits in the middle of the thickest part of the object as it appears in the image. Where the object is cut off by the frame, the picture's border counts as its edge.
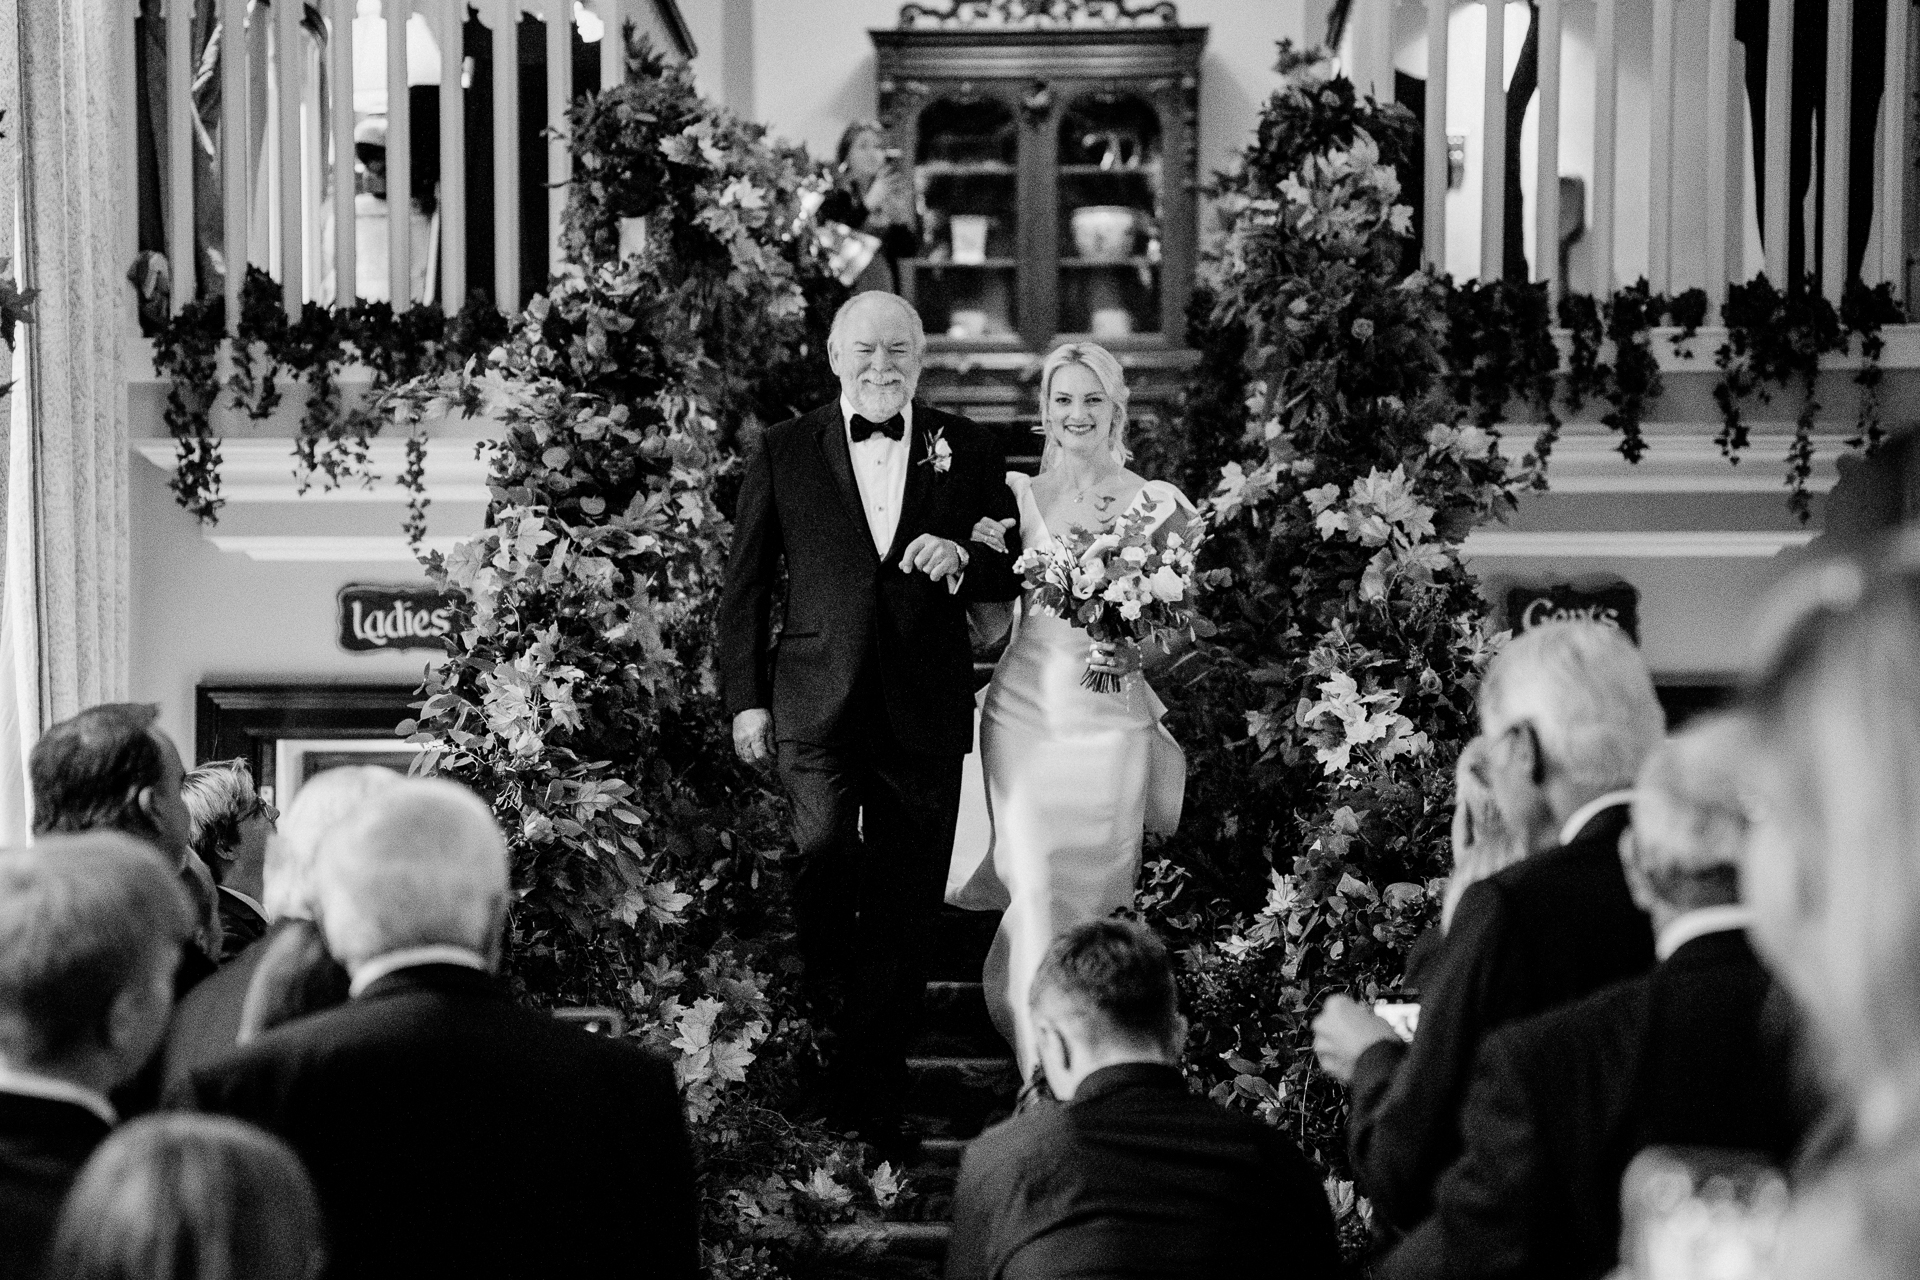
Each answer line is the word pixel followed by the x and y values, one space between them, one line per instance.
pixel 1588 811
pixel 412 958
pixel 28 1084
pixel 1698 923
pixel 880 469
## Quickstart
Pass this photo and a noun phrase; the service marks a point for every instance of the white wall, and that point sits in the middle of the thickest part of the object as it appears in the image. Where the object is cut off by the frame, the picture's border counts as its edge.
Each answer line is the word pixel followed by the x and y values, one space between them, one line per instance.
pixel 202 615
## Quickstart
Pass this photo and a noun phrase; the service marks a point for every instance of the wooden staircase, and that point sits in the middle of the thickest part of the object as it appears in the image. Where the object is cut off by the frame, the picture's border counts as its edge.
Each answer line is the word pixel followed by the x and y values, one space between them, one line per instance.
pixel 963 1079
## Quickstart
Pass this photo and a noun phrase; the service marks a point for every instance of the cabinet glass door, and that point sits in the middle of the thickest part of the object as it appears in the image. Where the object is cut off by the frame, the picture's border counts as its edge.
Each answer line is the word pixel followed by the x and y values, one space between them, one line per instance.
pixel 1111 176
pixel 965 279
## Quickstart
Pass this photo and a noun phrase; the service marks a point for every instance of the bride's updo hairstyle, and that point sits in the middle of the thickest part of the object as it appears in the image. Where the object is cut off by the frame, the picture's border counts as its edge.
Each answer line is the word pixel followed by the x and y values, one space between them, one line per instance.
pixel 1099 361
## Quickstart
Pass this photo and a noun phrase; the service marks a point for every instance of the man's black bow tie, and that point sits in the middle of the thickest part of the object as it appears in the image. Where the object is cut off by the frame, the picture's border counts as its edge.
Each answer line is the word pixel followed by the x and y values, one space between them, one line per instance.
pixel 894 428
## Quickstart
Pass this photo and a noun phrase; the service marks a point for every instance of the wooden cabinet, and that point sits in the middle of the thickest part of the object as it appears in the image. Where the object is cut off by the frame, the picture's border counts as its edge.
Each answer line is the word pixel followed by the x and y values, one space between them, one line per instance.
pixel 1054 153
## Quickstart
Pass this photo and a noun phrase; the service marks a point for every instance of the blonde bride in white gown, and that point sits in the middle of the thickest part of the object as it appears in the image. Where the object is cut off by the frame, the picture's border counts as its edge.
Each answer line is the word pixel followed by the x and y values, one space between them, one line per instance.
pixel 1066 779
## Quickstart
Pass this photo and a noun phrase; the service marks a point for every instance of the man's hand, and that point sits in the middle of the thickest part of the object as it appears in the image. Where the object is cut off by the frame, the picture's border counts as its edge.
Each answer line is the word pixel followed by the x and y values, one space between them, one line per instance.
pixel 1343 1032
pixel 933 556
pixel 753 735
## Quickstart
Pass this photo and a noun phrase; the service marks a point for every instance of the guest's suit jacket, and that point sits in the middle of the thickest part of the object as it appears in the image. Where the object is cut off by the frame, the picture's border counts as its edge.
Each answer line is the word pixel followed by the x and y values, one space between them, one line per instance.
pixel 43 1144
pixel 850 611
pixel 1549 929
pixel 206 1025
pixel 451 1133
pixel 1682 1056
pixel 1137 1177
pixel 240 925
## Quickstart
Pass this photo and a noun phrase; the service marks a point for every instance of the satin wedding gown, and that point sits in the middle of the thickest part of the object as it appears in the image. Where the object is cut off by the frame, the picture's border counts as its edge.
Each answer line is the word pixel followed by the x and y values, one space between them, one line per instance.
pixel 1054 803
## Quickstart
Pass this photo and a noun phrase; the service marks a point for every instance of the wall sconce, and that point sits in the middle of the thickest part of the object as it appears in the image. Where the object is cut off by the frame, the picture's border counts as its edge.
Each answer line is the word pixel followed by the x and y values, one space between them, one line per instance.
pixel 1456 159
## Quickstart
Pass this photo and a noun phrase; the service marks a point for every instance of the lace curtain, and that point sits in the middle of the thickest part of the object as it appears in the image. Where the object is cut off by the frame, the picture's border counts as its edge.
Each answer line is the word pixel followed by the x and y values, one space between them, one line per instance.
pixel 64 589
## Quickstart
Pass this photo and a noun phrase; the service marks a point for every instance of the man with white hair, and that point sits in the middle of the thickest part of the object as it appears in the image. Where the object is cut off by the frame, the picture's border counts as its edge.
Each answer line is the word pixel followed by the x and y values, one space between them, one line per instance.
pixel 1567 717
pixel 866 709
pixel 450 1132
pixel 91 928
pixel 207 1023
pixel 1686 1055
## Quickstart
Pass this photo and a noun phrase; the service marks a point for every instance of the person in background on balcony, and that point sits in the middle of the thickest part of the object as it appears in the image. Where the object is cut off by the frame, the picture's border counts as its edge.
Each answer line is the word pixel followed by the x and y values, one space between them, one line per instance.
pixel 231 824
pixel 190 1198
pixel 372 208
pixel 1568 714
pixel 1068 779
pixel 1810 99
pixel 873 195
pixel 1695 1053
pixel 1134 1175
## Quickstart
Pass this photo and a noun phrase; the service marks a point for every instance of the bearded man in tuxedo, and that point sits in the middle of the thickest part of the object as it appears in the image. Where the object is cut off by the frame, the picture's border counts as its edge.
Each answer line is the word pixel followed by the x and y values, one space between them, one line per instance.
pixel 865 699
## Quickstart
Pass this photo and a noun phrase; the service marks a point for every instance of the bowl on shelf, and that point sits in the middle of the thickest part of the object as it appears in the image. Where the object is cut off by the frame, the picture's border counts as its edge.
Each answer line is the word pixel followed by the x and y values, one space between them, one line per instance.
pixel 1105 232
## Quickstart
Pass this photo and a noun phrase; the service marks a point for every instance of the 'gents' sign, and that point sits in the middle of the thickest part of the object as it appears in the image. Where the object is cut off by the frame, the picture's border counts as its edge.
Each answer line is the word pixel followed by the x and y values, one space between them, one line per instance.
pixel 373 618
pixel 1616 602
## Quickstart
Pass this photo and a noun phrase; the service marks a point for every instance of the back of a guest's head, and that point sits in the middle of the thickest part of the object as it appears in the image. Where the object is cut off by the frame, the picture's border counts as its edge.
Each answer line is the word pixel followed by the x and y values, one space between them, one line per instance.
pixel 1114 980
pixel 220 795
pixel 1690 822
pixel 1585 689
pixel 88 771
pixel 324 802
pixel 189 1197
pixel 1834 871
pixel 423 863
pixel 84 919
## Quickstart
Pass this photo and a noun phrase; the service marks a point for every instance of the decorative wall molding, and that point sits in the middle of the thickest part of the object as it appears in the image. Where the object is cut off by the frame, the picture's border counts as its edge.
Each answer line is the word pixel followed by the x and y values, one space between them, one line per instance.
pixel 1634 544
pixel 332 547
pixel 260 470
pixel 1021 14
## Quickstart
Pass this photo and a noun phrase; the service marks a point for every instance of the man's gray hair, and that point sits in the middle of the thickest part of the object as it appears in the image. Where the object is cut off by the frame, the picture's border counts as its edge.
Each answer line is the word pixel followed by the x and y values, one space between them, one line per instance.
pixel 1690 817
pixel 1585 689
pixel 82 918
pixel 424 863
pixel 325 801
pixel 877 297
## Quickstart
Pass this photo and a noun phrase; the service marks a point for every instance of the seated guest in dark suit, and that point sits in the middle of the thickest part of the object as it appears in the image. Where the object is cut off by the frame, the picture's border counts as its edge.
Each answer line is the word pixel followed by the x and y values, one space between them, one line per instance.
pixel 450 1132
pixel 90 934
pixel 1685 1055
pixel 300 977
pixel 1129 1174
pixel 1567 717
pixel 111 769
pixel 231 825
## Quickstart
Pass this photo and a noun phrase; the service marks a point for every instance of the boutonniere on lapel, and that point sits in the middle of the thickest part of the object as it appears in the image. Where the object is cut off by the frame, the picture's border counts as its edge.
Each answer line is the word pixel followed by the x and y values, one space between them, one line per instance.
pixel 939 452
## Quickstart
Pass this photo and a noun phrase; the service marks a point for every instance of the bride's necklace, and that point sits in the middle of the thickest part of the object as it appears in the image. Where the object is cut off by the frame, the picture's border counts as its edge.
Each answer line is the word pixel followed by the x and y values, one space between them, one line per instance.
pixel 1101 500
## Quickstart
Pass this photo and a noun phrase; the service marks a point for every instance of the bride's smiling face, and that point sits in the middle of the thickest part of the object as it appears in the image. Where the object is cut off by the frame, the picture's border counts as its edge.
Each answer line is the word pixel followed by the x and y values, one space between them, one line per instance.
pixel 1079 412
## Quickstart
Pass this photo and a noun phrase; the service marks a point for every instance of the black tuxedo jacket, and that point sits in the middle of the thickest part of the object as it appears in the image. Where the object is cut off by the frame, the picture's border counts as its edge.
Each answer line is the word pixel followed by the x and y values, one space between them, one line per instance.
pixel 1137 1177
pixel 848 610
pixel 1685 1055
pixel 452 1133
pixel 240 926
pixel 43 1144
pixel 1549 929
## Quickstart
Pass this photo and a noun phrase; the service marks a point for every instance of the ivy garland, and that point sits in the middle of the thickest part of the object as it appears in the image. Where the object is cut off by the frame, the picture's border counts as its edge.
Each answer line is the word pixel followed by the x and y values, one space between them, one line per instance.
pixel 333 440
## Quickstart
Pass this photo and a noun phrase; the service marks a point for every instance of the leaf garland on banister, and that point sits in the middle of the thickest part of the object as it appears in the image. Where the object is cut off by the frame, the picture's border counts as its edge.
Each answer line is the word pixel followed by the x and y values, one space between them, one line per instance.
pixel 332 440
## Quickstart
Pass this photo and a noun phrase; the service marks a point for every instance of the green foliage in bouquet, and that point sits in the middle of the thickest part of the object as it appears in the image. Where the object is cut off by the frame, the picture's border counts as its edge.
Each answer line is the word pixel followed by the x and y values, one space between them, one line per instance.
pixel 1323 721
pixel 578 697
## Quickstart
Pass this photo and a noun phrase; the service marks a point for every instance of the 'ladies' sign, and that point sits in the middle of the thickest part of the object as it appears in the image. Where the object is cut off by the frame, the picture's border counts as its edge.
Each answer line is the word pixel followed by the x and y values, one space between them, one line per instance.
pixel 376 618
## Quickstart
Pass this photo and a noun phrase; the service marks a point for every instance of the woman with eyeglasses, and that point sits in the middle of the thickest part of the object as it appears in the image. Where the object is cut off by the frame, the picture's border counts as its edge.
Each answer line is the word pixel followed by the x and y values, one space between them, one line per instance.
pixel 231 822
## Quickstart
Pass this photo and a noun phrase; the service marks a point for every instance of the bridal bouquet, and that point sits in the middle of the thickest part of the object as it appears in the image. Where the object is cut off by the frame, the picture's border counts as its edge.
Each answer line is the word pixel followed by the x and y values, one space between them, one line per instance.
pixel 1134 581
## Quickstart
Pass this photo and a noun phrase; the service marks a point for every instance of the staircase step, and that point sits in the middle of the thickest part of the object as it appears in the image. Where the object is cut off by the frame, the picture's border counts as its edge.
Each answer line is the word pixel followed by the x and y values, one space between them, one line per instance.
pixel 957 1024
pixel 892 1251
pixel 940 1153
pixel 958 1097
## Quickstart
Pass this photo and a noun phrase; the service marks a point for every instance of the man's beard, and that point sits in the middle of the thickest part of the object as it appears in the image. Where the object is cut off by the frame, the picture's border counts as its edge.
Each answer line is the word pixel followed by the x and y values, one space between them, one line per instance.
pixel 877 404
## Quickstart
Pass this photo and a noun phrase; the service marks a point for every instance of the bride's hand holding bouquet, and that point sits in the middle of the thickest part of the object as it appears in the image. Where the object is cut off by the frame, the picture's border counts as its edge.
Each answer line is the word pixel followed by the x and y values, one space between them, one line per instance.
pixel 1131 584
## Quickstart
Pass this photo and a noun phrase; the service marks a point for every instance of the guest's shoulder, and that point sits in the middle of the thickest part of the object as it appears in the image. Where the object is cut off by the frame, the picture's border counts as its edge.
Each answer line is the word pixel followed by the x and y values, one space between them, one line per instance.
pixel 1595 1029
pixel 1039 1133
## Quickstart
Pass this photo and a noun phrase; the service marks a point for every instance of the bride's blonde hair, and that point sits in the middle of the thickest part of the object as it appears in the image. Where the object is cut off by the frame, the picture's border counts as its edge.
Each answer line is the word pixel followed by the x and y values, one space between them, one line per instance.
pixel 1100 362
